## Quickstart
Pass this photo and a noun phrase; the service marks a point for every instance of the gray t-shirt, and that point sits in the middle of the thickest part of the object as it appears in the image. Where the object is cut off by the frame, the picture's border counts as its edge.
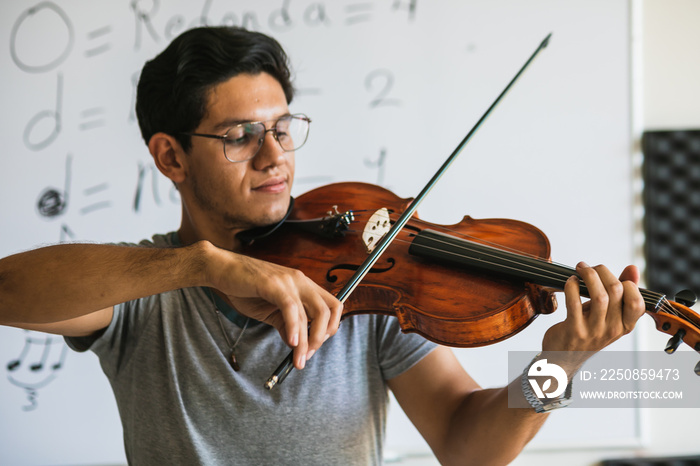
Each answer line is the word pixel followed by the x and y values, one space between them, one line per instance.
pixel 180 402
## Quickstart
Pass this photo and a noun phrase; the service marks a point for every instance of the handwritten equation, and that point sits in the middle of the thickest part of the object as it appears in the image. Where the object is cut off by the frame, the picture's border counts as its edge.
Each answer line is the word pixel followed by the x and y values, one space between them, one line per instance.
pixel 49 40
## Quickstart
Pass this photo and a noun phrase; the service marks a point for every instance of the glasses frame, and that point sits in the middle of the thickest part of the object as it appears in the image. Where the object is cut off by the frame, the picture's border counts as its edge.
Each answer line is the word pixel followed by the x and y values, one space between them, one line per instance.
pixel 273 130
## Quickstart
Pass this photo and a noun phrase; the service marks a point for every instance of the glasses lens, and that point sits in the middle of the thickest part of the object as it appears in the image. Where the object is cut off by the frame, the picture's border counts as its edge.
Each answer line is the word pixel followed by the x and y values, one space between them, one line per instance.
pixel 243 141
pixel 292 132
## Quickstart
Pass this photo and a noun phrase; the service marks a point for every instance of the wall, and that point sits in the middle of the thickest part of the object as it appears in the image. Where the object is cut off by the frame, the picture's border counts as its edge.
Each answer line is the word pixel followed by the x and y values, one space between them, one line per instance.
pixel 398 88
pixel 665 96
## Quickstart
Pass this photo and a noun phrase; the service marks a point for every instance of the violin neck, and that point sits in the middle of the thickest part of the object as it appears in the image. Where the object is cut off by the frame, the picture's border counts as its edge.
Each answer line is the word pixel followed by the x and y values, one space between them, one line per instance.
pixel 508 264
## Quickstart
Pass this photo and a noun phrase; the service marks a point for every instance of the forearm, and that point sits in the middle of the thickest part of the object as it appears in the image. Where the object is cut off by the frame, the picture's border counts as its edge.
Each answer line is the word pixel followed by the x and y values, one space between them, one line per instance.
pixel 486 431
pixel 66 281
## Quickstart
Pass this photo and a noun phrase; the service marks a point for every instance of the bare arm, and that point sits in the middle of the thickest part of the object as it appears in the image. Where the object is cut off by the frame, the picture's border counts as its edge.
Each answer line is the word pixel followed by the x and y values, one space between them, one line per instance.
pixel 70 289
pixel 469 425
pixel 464 424
pixel 64 282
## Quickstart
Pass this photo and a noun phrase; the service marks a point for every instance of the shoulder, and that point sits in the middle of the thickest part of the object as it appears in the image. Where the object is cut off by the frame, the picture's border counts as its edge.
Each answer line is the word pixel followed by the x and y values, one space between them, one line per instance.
pixel 165 240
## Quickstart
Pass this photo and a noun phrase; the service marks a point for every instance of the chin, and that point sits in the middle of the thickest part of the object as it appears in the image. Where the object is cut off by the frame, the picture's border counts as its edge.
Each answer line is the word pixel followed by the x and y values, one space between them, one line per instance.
pixel 274 215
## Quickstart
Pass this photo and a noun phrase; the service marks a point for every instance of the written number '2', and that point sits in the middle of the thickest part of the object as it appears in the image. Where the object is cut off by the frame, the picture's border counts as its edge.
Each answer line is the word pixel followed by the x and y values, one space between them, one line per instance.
pixel 385 82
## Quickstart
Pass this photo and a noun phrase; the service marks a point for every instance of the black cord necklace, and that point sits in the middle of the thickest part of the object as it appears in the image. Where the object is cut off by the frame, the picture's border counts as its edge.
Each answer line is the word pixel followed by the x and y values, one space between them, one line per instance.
pixel 233 361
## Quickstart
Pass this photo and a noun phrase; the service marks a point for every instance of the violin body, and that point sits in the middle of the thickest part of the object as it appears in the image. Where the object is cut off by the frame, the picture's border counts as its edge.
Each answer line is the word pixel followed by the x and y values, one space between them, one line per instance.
pixel 470 284
pixel 448 304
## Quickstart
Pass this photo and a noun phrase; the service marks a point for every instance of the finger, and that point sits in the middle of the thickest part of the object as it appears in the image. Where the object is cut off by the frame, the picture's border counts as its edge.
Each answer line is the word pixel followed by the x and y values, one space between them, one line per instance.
pixel 614 327
pixel 325 317
pixel 630 273
pixel 574 308
pixel 302 348
pixel 320 316
pixel 597 293
pixel 633 305
pixel 335 308
pixel 613 288
pixel 289 311
pixel 299 349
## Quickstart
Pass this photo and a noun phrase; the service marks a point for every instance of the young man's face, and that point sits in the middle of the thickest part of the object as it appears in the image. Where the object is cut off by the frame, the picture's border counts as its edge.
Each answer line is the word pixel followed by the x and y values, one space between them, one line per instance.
pixel 240 195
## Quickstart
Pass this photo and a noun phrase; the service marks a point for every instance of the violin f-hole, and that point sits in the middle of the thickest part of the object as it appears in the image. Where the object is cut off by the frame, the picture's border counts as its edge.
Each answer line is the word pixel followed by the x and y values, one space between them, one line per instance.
pixel 332 278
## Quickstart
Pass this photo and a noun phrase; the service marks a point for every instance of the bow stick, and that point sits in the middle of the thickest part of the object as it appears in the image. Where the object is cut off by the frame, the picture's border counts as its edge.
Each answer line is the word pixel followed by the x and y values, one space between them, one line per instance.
pixel 288 364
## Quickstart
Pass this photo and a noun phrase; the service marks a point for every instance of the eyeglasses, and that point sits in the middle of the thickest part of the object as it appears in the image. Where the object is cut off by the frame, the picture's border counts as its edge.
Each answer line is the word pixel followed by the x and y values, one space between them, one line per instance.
pixel 242 142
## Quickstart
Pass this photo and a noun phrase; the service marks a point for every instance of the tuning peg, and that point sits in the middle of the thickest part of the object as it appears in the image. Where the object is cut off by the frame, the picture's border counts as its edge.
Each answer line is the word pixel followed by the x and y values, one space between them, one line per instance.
pixel 675 341
pixel 686 298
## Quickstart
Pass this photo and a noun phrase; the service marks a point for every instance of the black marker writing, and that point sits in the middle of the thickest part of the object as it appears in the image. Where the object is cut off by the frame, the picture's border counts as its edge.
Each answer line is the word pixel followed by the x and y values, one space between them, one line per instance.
pixel 94 118
pixel 51 14
pixel 410 7
pixel 358 12
pixel 280 20
pixel 143 19
pixel 97 34
pixel 91 191
pixel 53 202
pixel 379 164
pixel 143 178
pixel 66 234
pixel 315 14
pixel 54 115
pixel 384 80
pixel 32 372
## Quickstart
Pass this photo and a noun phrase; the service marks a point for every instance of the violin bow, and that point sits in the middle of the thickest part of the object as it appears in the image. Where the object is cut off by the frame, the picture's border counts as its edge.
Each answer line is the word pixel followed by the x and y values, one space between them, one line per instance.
pixel 287 365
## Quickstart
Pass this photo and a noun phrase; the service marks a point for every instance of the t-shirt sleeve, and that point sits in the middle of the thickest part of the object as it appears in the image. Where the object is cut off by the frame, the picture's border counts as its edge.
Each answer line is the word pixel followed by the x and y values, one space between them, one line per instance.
pixel 399 351
pixel 112 344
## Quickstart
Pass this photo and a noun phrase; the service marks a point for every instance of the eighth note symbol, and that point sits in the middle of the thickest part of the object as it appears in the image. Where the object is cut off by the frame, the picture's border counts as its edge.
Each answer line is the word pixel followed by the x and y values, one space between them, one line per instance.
pixel 32 372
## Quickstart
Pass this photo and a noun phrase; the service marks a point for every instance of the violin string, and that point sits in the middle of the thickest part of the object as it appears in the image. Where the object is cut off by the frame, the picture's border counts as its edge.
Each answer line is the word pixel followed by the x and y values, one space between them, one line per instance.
pixel 656 299
pixel 486 242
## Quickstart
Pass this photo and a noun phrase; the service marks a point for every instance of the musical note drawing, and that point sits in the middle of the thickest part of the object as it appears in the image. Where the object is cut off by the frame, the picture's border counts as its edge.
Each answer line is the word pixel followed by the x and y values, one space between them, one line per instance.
pixel 36 365
pixel 66 234
pixel 55 115
pixel 52 201
pixel 39 21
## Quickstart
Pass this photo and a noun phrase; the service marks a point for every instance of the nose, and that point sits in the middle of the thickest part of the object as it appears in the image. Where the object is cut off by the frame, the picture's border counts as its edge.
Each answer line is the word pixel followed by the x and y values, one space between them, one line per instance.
pixel 270 153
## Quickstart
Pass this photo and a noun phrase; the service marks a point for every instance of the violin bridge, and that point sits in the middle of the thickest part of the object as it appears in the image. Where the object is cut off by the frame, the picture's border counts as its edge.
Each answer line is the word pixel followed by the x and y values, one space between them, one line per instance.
pixel 378 225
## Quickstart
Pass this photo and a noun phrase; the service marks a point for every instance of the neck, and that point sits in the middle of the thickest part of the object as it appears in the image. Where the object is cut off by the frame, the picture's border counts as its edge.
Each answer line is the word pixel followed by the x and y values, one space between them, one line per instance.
pixel 192 230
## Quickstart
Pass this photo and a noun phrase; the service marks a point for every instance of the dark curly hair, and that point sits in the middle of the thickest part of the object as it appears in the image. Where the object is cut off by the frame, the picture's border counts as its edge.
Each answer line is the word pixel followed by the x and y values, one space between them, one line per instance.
pixel 171 96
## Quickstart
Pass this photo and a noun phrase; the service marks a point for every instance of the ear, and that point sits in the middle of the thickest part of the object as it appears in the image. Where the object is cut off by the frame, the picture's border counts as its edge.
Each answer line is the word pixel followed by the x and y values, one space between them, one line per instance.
pixel 168 156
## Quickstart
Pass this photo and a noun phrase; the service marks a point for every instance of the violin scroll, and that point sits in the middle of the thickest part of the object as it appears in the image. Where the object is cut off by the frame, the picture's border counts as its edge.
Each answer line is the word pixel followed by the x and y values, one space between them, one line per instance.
pixel 679 321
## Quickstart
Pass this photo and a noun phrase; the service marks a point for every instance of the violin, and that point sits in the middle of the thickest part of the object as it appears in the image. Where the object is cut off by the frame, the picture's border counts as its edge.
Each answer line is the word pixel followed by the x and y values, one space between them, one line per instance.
pixel 470 284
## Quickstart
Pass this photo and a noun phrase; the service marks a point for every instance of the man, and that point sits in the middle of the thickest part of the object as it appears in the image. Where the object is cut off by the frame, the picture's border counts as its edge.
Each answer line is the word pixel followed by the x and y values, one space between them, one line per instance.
pixel 183 327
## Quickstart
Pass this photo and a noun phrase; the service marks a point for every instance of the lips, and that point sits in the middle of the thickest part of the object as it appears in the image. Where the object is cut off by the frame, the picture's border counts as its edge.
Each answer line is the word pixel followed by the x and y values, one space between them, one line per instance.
pixel 272 185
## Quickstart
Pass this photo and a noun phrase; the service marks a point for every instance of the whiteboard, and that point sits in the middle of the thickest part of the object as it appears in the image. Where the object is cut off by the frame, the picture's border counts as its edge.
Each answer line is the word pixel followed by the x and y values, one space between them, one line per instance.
pixel 391 85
